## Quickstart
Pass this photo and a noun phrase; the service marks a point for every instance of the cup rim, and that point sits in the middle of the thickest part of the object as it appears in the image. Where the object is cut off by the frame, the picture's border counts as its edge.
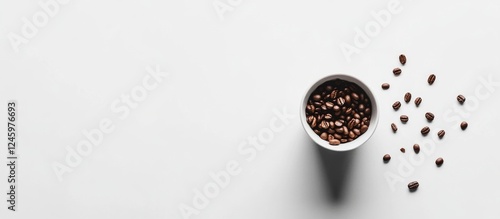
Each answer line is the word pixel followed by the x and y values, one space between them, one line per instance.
pixel 362 139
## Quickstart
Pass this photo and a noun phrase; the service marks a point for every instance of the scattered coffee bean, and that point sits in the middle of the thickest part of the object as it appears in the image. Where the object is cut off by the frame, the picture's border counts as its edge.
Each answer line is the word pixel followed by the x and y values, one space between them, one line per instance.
pixel 425 130
pixel 461 99
pixel 464 125
pixel 429 116
pixel 386 158
pixel 402 59
pixel 407 97
pixel 396 71
pixel 439 161
pixel 418 101
pixel 416 148
pixel 386 86
pixel 413 185
pixel 431 79
pixel 394 127
pixel 396 105
pixel 441 133
pixel 404 118
pixel 338 111
pixel 402 150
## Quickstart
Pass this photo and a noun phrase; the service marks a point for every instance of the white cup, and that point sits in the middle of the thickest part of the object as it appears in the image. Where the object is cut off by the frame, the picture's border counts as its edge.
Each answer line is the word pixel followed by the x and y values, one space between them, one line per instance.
pixel 348 145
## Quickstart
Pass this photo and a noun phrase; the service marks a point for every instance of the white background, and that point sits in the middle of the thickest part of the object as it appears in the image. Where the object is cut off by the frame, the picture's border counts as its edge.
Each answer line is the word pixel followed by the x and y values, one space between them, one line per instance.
pixel 225 78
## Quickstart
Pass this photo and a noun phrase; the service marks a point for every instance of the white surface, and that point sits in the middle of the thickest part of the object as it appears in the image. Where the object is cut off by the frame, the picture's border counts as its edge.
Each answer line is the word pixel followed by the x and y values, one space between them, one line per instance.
pixel 225 79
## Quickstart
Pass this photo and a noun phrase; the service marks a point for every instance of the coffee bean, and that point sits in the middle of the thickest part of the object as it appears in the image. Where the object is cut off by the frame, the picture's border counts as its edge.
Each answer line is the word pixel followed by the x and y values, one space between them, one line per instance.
pixel 355 96
pixel 416 148
pixel 396 71
pixel 404 118
pixel 402 59
pixel 413 185
pixel 429 116
pixel 418 101
pixel 386 158
pixel 441 133
pixel 317 97
pixel 386 86
pixel 340 101
pixel 407 97
pixel 461 99
pixel 402 150
pixel 334 142
pixel 363 129
pixel 334 93
pixel 396 105
pixel 431 79
pixel 425 130
pixel 394 127
pixel 464 125
pixel 329 105
pixel 439 161
pixel 338 123
pixel 324 136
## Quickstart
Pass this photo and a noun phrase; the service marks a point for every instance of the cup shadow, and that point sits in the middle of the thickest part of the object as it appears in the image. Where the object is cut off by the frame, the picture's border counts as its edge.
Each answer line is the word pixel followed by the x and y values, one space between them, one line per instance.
pixel 335 167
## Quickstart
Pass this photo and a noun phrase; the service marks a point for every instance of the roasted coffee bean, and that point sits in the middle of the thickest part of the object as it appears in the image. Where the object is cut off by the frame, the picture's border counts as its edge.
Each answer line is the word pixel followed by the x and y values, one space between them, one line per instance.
pixel 329 105
pixel 416 148
pixel 317 97
pixel 464 125
pixel 330 137
pixel 347 99
pixel 396 105
pixel 336 108
pixel 439 161
pixel 324 136
pixel 338 123
pixel 324 125
pixel 413 185
pixel 363 128
pixel 418 101
pixel 396 71
pixel 461 99
pixel 402 59
pixel 441 133
pixel 431 79
pixel 386 158
pixel 333 94
pixel 334 142
pixel 328 116
pixel 429 116
pixel 310 119
pixel 425 130
pixel 355 96
pixel 402 150
pixel 340 101
pixel 394 127
pixel 404 118
pixel 407 97
pixel 386 86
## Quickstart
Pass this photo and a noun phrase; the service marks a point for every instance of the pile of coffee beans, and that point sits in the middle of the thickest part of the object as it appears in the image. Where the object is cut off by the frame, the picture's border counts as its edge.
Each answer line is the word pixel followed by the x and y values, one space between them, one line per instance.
pixel 338 111
pixel 429 116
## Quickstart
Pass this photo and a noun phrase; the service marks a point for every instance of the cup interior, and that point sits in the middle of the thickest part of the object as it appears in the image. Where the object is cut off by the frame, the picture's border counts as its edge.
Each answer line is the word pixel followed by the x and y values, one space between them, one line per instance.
pixel 348 145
